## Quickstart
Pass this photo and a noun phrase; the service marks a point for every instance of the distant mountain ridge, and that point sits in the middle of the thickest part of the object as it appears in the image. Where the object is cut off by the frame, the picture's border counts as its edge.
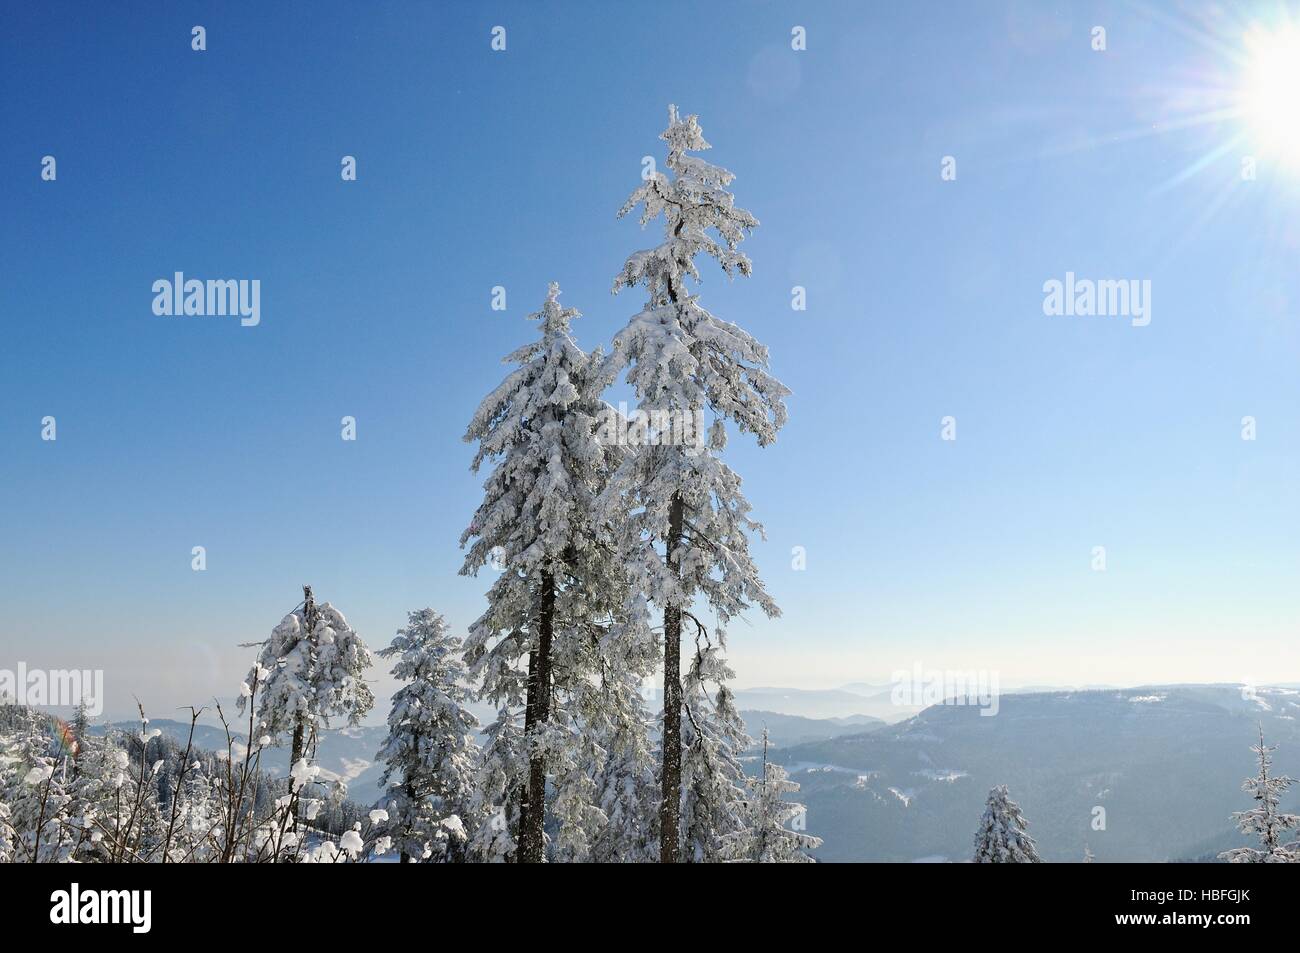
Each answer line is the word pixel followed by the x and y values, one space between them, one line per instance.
pixel 1164 764
pixel 786 731
pixel 877 702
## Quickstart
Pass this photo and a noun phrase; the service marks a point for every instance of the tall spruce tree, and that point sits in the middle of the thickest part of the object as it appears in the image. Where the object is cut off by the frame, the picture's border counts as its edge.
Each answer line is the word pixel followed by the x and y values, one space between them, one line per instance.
pixel 690 522
pixel 538 524
pixel 429 755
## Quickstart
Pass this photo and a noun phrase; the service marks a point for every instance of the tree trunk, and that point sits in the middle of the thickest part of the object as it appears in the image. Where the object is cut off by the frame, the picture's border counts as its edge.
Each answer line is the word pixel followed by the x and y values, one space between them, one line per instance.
pixel 530 722
pixel 531 836
pixel 670 806
pixel 309 626
pixel 296 751
pixel 410 801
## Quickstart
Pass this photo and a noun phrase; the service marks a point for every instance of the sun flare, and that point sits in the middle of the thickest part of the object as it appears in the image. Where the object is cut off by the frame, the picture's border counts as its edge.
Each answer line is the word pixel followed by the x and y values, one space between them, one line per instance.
pixel 1270 92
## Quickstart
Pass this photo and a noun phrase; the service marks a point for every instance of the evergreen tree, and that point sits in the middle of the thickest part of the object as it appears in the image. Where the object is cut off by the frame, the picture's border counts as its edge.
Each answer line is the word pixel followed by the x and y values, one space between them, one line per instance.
pixel 429 755
pixel 79 734
pixel 602 733
pixel 682 361
pixel 538 524
pixel 308 672
pixel 713 809
pixel 499 791
pixel 1003 836
pixel 578 818
pixel 1266 819
pixel 765 838
pixel 626 789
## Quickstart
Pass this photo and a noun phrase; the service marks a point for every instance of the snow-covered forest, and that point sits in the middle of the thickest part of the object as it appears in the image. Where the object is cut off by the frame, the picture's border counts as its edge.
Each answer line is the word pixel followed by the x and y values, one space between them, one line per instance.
pixel 611 538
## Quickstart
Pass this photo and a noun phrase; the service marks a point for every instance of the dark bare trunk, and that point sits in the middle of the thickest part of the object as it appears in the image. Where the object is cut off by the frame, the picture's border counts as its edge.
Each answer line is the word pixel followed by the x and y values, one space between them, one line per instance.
pixel 538 713
pixel 296 749
pixel 530 723
pixel 410 801
pixel 670 806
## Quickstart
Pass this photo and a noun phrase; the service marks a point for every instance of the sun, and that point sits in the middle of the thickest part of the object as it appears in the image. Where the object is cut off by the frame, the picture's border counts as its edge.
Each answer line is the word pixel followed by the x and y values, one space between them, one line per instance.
pixel 1270 92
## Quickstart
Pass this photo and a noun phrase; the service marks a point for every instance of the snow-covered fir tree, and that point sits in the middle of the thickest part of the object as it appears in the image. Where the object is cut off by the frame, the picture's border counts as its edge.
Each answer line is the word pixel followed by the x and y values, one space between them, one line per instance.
pixel 713 808
pixel 310 671
pixel 626 787
pixel 430 755
pixel 79 734
pixel 689 537
pixel 602 750
pixel 575 766
pixel 1003 836
pixel 499 786
pixel 538 526
pixel 766 838
pixel 1266 819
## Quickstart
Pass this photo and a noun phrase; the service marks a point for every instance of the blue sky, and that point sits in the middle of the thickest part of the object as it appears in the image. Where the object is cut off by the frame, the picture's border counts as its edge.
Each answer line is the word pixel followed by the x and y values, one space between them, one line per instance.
pixel 479 168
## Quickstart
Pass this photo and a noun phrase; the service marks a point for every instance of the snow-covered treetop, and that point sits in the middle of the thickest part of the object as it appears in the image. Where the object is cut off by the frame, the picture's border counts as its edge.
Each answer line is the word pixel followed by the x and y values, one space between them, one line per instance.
pixel 310 676
pixel 683 357
pixel 542 380
pixel 540 422
pixel 538 514
pixel 426 650
pixel 694 201
pixel 682 360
